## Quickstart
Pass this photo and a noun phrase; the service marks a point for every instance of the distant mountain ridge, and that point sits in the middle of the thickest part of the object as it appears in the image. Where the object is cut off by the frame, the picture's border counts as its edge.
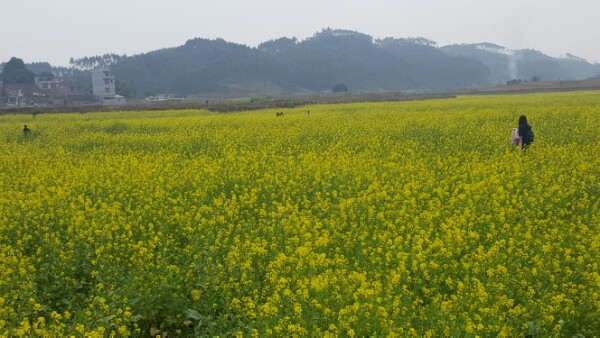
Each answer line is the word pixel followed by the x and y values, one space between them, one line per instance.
pixel 287 65
pixel 506 64
pixel 330 57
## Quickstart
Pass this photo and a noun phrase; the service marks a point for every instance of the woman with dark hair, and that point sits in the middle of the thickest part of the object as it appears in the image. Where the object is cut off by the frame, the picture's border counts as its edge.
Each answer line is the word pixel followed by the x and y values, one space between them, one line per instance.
pixel 525 133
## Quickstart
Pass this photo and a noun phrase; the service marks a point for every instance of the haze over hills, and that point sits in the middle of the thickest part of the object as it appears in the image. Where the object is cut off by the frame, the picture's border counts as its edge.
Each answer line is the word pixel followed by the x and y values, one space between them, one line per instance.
pixel 506 65
pixel 330 57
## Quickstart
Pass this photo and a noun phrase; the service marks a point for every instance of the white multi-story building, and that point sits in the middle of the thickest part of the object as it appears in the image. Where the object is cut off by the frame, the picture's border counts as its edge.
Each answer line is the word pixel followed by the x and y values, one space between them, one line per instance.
pixel 103 86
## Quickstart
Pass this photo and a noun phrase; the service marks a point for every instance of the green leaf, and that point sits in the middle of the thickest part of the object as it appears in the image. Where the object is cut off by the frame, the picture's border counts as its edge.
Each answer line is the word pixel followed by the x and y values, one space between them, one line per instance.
pixel 135 318
pixel 193 314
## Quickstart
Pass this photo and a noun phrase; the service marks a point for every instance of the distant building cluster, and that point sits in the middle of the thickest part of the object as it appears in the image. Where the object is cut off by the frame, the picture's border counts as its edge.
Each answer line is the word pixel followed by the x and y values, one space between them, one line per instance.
pixel 47 91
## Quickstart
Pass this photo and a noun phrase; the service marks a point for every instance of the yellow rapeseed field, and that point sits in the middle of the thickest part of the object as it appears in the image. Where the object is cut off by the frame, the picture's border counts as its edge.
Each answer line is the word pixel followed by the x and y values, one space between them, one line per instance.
pixel 383 219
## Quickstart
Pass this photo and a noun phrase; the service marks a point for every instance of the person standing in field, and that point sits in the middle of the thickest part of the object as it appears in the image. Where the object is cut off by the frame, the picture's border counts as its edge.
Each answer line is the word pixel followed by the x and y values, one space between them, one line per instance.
pixel 26 131
pixel 525 134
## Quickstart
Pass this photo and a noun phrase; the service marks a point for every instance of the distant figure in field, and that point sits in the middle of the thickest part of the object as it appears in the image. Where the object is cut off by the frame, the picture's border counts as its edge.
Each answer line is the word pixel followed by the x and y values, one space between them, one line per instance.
pixel 26 131
pixel 524 134
pixel 279 113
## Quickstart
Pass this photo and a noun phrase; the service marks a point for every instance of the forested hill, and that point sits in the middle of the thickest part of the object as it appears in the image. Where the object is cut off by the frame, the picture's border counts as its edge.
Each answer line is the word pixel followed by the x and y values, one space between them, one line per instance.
pixel 328 58
pixel 287 65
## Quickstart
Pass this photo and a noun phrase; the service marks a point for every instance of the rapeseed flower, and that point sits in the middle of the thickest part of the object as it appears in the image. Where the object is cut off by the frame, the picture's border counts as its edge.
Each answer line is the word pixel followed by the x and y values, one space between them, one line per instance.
pixel 399 219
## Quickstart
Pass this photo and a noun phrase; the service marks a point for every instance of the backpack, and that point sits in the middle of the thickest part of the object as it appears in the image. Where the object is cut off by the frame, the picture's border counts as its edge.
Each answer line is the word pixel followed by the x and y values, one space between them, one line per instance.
pixel 531 136
pixel 527 139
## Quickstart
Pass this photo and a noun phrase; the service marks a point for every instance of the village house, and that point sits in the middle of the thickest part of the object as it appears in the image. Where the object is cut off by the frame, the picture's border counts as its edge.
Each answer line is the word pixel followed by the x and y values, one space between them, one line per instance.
pixel 18 95
pixel 55 91
pixel 103 86
pixel 46 92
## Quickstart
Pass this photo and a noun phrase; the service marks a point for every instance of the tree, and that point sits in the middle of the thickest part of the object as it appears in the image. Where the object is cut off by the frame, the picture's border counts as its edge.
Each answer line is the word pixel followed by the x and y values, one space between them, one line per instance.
pixel 278 46
pixel 46 74
pixel 340 87
pixel 126 89
pixel 98 61
pixel 15 71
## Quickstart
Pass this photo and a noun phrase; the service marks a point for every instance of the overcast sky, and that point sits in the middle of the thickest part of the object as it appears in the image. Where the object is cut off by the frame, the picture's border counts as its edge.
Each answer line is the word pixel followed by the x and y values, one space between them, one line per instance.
pixel 55 30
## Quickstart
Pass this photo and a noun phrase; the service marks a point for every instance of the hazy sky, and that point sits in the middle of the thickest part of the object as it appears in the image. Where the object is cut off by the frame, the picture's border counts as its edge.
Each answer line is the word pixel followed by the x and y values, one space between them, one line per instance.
pixel 55 30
